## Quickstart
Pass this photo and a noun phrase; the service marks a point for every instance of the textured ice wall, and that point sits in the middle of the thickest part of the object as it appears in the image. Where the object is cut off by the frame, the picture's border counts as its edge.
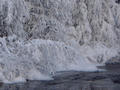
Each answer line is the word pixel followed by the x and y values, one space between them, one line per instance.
pixel 45 36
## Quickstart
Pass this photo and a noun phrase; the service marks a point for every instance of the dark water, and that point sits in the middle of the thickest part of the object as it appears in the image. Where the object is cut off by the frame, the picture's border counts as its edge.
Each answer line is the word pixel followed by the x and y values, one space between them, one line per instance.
pixel 73 80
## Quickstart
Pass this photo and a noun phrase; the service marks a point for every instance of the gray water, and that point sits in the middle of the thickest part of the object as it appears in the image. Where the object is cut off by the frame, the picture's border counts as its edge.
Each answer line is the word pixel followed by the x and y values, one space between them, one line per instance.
pixel 74 80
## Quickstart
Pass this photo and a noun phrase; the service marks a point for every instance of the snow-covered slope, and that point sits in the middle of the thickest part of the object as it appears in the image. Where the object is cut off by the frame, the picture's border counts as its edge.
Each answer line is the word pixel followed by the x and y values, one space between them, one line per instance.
pixel 40 37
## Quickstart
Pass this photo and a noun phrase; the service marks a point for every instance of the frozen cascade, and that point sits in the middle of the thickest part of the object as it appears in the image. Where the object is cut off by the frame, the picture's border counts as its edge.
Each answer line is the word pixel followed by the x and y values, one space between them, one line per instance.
pixel 38 60
pixel 40 37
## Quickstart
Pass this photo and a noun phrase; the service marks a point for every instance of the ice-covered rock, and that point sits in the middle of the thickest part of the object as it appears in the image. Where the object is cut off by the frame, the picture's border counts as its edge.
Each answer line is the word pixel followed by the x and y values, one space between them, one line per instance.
pixel 45 36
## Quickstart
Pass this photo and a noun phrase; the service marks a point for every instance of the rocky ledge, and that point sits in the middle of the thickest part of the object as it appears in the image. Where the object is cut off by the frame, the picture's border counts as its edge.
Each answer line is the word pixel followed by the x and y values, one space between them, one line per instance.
pixel 113 61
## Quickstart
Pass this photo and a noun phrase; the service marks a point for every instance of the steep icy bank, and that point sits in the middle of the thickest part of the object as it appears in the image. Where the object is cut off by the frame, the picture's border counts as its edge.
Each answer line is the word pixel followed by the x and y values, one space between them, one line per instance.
pixel 50 35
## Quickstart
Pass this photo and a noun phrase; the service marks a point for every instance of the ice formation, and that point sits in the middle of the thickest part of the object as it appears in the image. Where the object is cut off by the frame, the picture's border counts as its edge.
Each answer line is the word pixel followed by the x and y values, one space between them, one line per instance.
pixel 40 37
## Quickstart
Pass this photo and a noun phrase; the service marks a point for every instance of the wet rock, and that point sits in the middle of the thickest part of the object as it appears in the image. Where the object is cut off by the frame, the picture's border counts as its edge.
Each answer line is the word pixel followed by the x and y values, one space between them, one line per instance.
pixel 114 61
pixel 117 1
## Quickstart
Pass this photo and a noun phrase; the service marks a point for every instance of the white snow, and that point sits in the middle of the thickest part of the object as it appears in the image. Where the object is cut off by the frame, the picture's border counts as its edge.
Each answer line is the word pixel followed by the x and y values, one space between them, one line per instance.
pixel 37 39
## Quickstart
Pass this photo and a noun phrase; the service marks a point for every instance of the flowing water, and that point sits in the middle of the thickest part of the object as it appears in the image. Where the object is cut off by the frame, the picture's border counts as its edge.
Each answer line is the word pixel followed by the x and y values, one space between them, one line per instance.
pixel 108 79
